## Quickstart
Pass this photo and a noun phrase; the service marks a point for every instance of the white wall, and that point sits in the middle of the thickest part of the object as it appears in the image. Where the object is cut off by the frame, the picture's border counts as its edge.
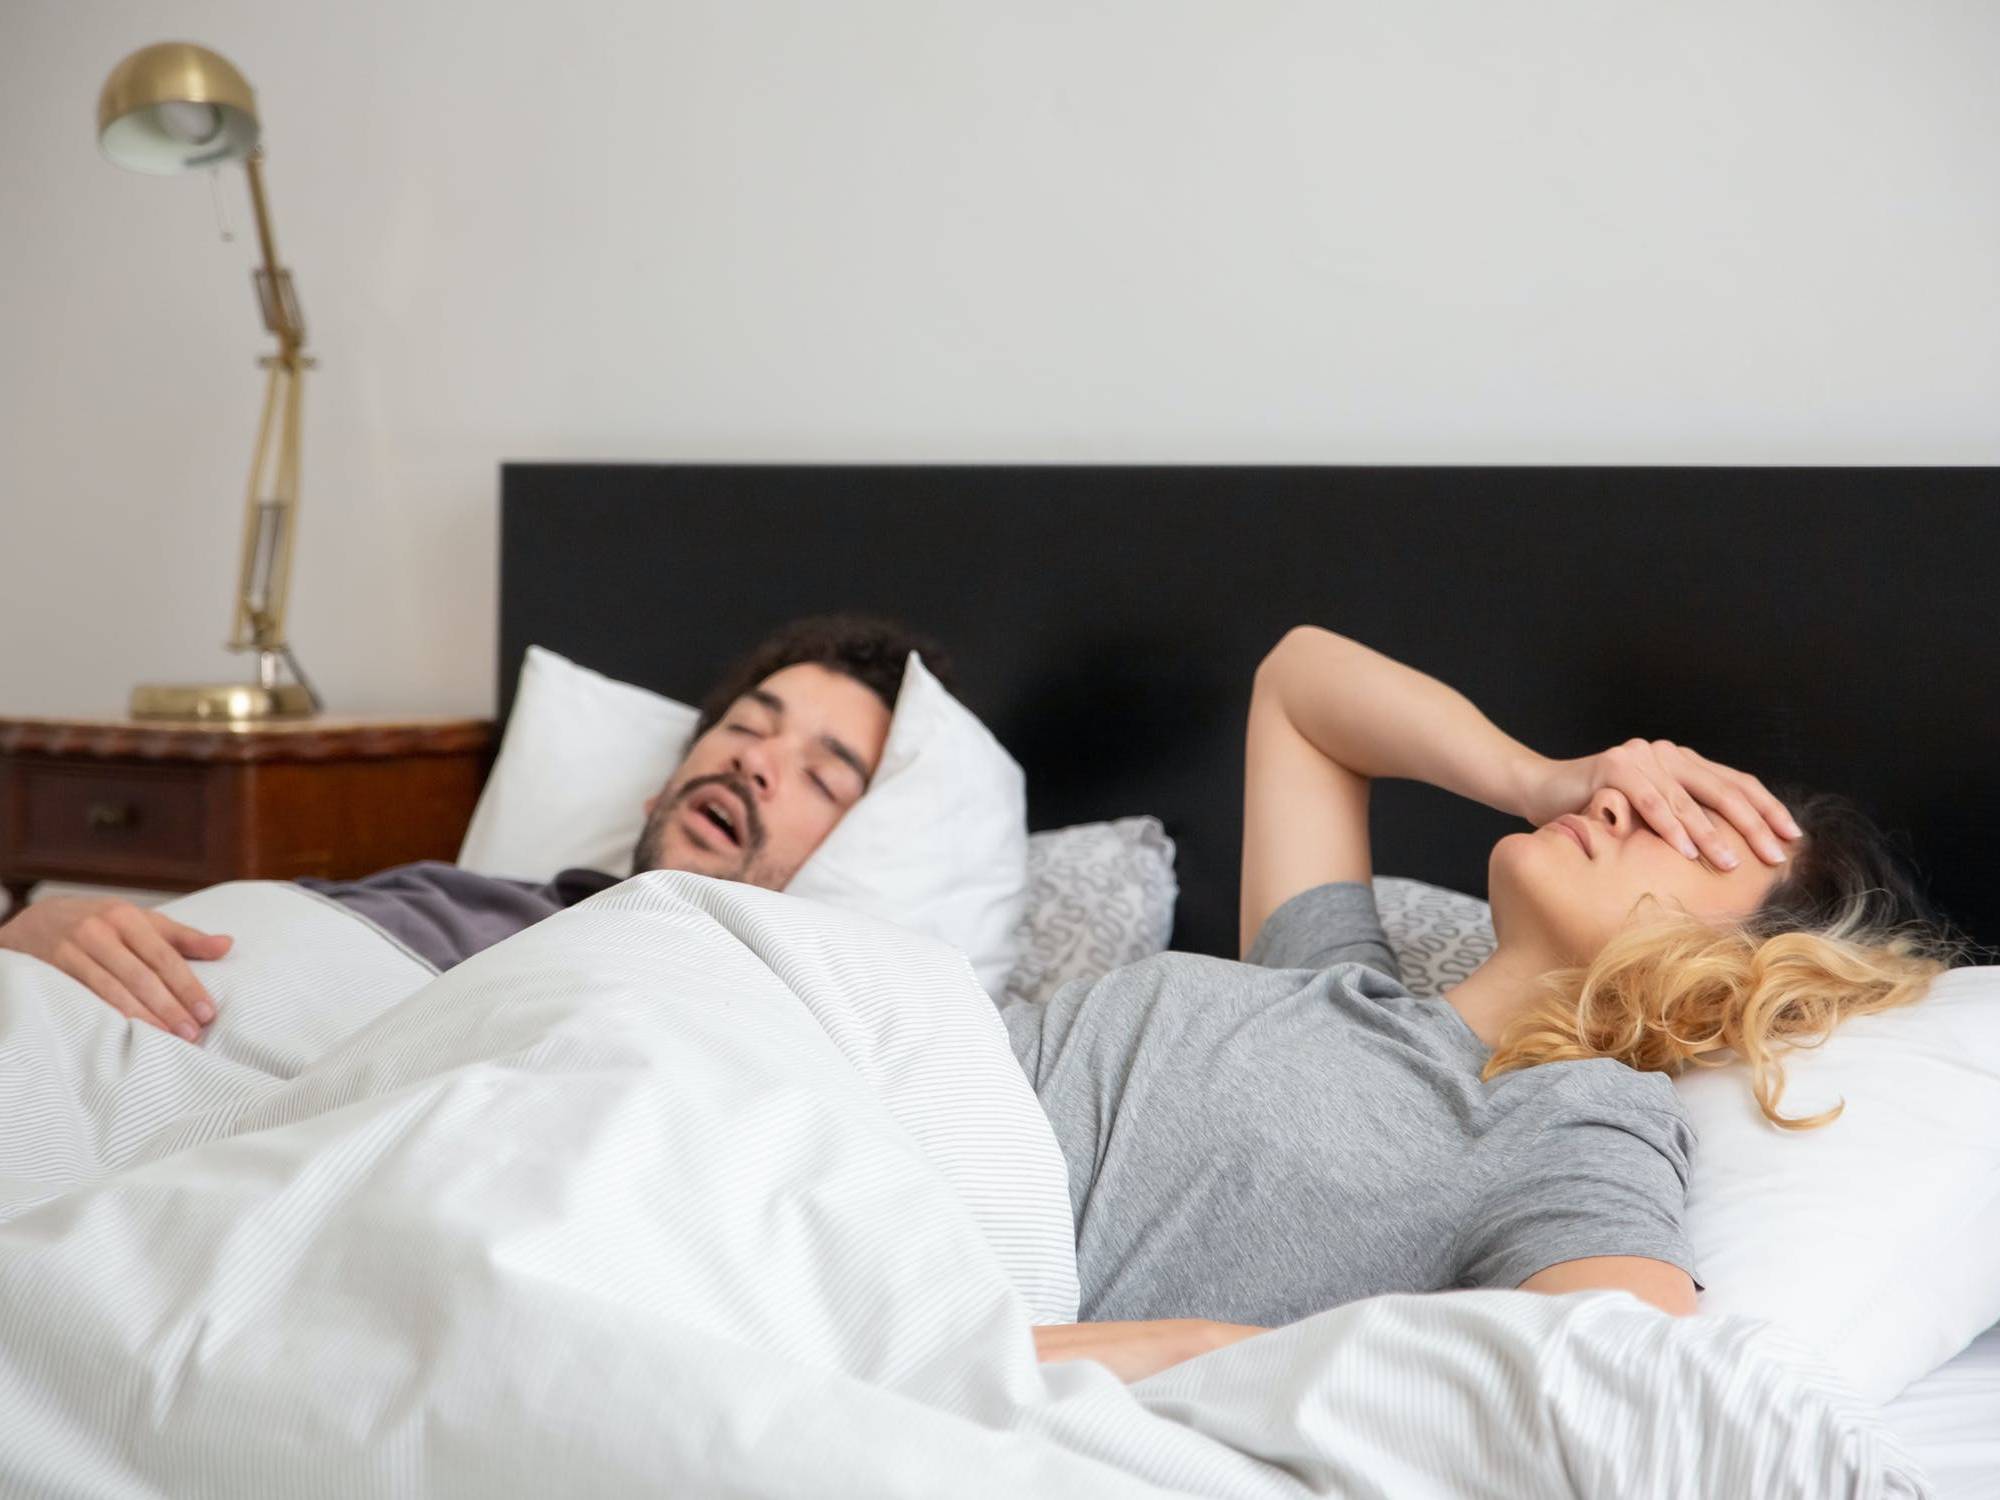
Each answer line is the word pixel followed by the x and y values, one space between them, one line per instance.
pixel 1392 231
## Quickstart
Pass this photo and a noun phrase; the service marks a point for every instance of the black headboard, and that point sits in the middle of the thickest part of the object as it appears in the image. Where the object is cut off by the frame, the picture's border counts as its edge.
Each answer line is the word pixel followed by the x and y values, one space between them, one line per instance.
pixel 1832 627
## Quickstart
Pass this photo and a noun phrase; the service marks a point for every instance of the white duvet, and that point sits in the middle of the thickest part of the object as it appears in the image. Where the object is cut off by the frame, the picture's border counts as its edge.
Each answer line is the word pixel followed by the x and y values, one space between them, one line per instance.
pixel 673 1194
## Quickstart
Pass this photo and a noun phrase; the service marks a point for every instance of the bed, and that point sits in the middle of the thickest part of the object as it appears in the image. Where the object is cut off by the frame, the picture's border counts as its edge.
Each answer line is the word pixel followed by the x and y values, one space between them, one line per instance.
pixel 380 1233
pixel 1820 626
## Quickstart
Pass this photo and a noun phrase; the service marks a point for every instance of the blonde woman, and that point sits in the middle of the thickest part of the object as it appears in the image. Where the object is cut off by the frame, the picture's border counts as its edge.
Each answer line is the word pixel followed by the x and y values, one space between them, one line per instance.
pixel 1251 1143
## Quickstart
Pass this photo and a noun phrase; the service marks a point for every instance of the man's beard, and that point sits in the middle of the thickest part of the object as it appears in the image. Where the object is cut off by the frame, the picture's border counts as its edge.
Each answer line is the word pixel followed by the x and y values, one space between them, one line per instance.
pixel 646 853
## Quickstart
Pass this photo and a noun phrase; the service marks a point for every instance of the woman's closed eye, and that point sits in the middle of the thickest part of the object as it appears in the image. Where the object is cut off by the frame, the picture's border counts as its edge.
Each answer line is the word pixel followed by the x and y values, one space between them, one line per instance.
pixel 1711 866
pixel 1700 858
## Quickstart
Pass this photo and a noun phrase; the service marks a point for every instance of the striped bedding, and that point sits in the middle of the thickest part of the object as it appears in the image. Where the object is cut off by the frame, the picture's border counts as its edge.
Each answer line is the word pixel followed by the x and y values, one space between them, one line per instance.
pixel 696 1189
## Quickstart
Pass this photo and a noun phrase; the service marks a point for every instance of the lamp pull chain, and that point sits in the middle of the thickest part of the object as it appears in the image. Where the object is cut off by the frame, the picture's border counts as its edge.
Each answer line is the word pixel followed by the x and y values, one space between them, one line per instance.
pixel 221 208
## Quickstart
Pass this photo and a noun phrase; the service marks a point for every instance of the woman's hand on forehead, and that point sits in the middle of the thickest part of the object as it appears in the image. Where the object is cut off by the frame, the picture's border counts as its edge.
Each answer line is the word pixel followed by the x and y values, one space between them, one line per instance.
pixel 1687 799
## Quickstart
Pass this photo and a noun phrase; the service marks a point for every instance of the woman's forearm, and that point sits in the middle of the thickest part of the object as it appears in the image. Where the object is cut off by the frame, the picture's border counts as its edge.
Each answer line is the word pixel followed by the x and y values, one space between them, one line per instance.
pixel 1378 718
pixel 1132 1351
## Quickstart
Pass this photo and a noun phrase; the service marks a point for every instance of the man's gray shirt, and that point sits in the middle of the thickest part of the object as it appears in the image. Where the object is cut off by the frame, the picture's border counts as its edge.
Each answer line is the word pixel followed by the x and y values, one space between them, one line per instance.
pixel 444 914
pixel 1256 1142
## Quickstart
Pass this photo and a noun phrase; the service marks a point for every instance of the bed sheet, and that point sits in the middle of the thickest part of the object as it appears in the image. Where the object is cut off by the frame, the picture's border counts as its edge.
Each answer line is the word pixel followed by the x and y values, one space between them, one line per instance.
pixel 1950 1422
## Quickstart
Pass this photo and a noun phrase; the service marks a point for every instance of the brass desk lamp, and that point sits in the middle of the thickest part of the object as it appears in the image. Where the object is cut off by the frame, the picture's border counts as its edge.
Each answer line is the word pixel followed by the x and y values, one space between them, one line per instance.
pixel 173 107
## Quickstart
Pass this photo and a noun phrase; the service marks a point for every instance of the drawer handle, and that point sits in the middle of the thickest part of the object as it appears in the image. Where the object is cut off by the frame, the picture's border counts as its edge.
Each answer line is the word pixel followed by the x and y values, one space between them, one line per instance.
pixel 108 815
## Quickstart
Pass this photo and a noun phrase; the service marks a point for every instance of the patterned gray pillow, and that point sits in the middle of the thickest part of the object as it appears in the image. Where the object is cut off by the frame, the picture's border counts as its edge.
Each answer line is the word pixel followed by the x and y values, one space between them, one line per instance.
pixel 1439 936
pixel 1100 895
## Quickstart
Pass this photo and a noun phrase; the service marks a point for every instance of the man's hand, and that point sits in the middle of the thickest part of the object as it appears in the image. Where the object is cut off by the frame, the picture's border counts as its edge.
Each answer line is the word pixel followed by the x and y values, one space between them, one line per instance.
pixel 1674 790
pixel 1132 1351
pixel 134 959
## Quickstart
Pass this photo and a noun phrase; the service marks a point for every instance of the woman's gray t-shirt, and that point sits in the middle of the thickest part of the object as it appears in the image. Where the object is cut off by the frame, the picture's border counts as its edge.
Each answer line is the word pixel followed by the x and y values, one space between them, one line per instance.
pixel 1257 1142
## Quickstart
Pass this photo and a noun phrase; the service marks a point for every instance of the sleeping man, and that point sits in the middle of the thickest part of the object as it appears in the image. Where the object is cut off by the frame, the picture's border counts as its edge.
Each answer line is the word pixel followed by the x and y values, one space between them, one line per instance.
pixel 788 741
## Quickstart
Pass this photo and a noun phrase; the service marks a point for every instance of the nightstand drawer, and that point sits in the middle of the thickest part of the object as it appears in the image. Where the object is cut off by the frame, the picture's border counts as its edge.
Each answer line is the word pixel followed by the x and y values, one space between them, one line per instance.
pixel 135 820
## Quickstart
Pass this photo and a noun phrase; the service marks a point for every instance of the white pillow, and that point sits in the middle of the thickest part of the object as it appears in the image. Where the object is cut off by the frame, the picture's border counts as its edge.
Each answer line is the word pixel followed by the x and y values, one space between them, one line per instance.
pixel 938 845
pixel 1875 1240
pixel 580 756
pixel 940 842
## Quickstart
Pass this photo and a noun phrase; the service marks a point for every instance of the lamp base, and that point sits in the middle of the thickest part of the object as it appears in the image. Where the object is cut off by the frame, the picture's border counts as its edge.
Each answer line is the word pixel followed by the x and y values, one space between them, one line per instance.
pixel 229 702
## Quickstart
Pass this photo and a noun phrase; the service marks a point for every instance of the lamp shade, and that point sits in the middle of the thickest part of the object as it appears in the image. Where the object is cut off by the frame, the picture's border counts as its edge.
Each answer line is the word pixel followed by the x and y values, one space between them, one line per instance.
pixel 174 106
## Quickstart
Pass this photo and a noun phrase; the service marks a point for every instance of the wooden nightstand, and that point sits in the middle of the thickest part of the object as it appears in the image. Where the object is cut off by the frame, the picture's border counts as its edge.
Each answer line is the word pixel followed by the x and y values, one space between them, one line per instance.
pixel 174 805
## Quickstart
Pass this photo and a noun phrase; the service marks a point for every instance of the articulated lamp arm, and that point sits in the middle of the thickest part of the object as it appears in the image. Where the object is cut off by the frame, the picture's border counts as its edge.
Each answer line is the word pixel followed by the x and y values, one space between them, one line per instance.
pixel 271 503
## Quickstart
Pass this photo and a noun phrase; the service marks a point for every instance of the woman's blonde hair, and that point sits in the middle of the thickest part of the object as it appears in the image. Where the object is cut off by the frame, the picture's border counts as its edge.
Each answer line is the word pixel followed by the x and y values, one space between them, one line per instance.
pixel 1846 932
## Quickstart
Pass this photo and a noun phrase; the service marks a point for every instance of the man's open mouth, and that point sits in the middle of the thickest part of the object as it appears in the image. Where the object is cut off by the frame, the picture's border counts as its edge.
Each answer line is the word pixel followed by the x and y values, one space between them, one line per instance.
pixel 720 808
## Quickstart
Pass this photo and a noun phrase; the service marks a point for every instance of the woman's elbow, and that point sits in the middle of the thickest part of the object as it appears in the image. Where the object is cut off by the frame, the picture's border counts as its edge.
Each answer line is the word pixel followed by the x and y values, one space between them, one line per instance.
pixel 1299 641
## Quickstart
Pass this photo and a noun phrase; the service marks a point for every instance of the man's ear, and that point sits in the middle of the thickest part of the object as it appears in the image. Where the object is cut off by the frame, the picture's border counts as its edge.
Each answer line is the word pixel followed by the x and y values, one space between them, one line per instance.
pixel 651 803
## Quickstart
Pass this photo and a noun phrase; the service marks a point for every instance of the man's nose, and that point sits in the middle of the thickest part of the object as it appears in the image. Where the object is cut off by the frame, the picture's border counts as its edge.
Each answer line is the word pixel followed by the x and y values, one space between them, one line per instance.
pixel 758 764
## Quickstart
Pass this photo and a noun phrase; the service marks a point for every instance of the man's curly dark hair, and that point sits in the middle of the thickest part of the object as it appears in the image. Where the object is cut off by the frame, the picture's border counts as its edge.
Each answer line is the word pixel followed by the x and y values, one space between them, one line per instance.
pixel 868 648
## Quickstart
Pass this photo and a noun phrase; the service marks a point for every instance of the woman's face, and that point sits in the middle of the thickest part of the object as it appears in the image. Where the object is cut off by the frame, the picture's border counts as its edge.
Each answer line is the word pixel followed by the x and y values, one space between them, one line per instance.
pixel 1571 884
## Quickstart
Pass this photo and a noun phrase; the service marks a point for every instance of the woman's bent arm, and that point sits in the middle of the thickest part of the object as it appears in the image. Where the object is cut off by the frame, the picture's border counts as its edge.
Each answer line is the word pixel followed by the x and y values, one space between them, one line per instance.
pixel 1328 716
